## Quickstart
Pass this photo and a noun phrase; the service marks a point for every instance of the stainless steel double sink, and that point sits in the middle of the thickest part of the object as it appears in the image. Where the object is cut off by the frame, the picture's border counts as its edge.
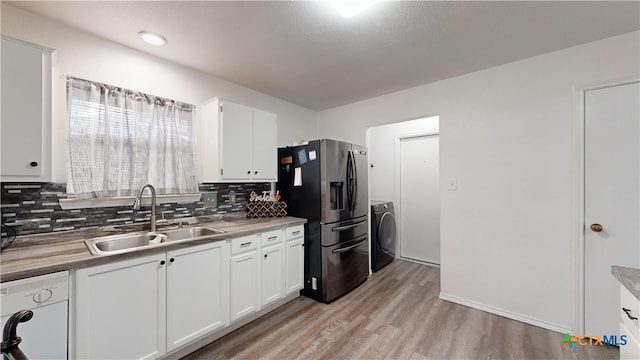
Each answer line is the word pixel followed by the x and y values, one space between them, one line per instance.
pixel 122 243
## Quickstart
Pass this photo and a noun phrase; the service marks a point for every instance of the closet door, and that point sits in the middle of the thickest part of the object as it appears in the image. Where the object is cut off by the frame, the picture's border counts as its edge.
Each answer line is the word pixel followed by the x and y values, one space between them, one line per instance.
pixel 420 199
pixel 612 199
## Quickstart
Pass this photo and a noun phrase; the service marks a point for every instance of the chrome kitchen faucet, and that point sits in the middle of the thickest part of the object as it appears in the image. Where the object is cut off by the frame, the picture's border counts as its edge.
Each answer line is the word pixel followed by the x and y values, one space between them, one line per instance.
pixel 136 204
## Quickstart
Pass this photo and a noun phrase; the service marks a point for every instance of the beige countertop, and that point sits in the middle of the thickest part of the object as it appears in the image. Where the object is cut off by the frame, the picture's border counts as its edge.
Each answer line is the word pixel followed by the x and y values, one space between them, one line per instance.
pixel 629 278
pixel 35 255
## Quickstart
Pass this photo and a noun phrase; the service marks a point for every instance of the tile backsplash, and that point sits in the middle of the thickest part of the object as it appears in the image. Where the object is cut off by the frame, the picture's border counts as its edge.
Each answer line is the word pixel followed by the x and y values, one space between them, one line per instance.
pixel 32 208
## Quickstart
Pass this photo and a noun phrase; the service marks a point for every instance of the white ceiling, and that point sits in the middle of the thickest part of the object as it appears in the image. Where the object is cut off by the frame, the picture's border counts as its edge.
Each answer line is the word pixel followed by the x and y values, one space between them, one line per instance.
pixel 305 53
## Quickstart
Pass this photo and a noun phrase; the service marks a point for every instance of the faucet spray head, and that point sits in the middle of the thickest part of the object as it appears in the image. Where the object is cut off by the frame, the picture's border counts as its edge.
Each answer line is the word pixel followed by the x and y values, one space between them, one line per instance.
pixel 136 204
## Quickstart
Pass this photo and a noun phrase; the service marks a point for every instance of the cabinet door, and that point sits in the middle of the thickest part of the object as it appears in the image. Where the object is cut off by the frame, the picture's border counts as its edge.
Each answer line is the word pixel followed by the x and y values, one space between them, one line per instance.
pixel 272 274
pixel 244 284
pixel 265 146
pixel 197 292
pixel 631 348
pixel 120 309
pixel 22 110
pixel 207 141
pixel 235 141
pixel 294 265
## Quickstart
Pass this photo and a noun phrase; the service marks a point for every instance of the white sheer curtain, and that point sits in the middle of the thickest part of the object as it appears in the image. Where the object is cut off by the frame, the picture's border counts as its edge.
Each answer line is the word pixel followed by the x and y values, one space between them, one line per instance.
pixel 120 139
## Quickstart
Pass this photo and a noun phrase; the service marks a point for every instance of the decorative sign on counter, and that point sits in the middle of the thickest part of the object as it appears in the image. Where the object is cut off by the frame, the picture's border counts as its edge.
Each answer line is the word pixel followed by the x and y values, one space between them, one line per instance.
pixel 265 206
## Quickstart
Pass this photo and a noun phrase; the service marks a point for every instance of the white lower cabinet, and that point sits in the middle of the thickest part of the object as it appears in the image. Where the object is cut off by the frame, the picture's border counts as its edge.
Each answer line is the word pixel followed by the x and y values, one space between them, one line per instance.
pixel 147 306
pixel 271 267
pixel 197 292
pixel 294 259
pixel 629 326
pixel 629 350
pixel 121 309
pixel 244 276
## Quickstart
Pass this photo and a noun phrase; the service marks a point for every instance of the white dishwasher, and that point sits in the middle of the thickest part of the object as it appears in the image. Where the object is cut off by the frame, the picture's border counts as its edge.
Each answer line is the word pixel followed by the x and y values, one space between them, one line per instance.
pixel 45 335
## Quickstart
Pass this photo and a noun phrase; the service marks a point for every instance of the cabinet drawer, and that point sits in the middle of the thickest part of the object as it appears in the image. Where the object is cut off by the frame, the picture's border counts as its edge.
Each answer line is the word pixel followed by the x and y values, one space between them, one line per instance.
pixel 295 232
pixel 271 237
pixel 630 350
pixel 632 306
pixel 245 243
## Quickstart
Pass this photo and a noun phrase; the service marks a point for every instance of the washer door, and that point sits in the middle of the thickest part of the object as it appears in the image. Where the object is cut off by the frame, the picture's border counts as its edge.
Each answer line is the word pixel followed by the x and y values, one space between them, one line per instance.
pixel 387 234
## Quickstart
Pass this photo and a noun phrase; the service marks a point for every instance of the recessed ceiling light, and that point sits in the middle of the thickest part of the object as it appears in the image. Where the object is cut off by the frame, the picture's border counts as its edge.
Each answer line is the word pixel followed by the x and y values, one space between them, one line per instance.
pixel 349 8
pixel 152 38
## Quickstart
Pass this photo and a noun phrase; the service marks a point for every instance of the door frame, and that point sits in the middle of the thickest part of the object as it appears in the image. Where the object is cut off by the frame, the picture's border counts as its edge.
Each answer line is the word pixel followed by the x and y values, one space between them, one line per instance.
pixel 579 223
pixel 396 192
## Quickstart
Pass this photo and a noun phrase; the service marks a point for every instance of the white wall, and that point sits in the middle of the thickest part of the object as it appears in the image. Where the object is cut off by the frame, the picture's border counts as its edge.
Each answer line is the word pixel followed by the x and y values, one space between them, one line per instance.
pixel 86 56
pixel 381 145
pixel 508 134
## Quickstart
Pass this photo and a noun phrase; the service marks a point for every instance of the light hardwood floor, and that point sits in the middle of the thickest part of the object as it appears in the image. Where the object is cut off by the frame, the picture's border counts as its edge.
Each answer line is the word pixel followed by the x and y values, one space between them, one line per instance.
pixel 395 314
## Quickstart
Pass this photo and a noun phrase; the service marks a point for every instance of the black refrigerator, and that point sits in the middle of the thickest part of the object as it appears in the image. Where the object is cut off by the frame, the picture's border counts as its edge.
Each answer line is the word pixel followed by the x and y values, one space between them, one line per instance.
pixel 325 181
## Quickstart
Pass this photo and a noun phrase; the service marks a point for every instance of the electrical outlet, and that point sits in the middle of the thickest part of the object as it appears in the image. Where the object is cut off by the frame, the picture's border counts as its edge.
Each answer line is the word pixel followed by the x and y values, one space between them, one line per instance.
pixel 210 199
pixel 232 197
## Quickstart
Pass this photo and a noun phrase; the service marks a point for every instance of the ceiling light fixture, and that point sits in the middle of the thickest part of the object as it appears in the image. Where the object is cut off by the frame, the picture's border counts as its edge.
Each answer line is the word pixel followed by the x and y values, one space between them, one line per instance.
pixel 349 8
pixel 152 38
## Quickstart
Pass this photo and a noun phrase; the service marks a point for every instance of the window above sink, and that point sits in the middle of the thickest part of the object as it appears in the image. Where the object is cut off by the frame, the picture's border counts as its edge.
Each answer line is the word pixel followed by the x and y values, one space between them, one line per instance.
pixel 119 139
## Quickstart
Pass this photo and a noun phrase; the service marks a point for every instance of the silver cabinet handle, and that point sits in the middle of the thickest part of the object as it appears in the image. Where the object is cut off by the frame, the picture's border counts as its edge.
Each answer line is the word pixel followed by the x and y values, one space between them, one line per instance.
pixel 628 312
pixel 245 244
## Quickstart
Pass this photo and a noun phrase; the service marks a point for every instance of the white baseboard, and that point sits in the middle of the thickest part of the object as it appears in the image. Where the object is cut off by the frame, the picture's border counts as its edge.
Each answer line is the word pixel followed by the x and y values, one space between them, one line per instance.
pixel 419 262
pixel 508 314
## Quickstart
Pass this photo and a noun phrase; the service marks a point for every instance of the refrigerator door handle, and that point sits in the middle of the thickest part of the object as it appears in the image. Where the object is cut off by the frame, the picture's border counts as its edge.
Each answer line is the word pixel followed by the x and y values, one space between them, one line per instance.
pixel 354 193
pixel 347 227
pixel 349 180
pixel 351 247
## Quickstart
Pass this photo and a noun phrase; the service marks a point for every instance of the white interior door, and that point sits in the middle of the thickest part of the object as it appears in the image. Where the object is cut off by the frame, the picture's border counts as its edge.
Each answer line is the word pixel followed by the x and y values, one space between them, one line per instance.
pixel 612 193
pixel 420 199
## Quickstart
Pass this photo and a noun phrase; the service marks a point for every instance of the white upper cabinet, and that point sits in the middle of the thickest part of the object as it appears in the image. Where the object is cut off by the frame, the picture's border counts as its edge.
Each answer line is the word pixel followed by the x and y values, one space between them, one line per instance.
pixel 265 146
pixel 26 112
pixel 236 143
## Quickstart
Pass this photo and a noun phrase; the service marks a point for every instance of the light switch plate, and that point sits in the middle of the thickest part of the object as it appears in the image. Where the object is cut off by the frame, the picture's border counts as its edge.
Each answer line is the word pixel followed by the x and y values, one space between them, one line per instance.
pixel 452 184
